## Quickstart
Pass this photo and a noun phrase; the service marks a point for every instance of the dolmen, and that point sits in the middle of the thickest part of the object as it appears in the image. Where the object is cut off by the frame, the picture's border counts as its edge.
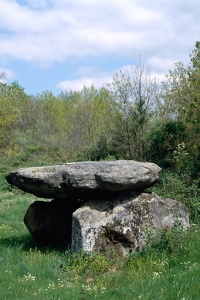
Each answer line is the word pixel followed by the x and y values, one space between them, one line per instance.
pixel 94 206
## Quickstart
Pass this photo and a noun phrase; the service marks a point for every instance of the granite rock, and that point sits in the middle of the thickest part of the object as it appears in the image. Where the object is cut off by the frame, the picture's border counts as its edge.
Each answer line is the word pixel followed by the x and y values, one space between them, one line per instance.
pixel 82 179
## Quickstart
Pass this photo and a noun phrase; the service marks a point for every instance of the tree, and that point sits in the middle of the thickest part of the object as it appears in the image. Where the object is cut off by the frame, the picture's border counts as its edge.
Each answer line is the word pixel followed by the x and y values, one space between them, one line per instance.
pixel 135 95
pixel 164 139
pixel 11 102
pixel 90 117
pixel 181 101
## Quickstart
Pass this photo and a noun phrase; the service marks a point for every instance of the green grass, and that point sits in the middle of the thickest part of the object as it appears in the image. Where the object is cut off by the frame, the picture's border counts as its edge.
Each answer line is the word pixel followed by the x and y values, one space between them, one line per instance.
pixel 29 272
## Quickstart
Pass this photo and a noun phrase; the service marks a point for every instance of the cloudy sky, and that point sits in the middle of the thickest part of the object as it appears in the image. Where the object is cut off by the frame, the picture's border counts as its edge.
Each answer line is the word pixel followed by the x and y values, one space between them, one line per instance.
pixel 57 45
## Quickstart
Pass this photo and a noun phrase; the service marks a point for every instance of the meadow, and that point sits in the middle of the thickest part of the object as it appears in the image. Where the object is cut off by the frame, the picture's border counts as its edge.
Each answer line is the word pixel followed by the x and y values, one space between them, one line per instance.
pixel 133 117
pixel 167 269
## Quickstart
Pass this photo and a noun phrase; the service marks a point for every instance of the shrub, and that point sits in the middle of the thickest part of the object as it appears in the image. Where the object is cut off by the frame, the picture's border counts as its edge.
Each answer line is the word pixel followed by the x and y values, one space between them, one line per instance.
pixel 87 263
pixel 181 188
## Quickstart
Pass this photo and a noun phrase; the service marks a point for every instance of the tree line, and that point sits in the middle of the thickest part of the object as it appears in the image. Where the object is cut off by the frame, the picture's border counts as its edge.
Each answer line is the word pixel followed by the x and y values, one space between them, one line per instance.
pixel 134 117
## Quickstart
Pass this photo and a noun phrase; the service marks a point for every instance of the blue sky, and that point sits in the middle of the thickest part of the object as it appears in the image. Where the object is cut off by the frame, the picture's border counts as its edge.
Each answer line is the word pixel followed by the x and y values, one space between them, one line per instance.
pixel 60 45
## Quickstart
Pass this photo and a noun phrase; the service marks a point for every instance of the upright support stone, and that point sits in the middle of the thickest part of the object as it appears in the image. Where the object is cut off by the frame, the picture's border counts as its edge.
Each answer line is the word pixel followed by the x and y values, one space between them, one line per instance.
pixel 126 223
pixel 50 222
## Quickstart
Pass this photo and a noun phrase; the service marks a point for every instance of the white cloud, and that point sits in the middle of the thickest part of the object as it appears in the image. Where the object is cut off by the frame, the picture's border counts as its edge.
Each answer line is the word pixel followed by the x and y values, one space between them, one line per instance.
pixel 44 32
pixel 77 84
pixel 60 29
pixel 160 64
pixel 102 78
pixel 7 74
pixel 97 80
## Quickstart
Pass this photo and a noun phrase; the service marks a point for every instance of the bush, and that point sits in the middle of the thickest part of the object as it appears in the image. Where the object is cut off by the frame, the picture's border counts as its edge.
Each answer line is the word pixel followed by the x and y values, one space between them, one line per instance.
pixel 182 188
pixel 87 263
pixel 165 138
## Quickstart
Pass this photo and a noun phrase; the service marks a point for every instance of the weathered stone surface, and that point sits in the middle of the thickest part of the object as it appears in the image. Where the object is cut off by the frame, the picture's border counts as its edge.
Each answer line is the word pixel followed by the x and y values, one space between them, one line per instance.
pixel 50 222
pixel 81 179
pixel 108 207
pixel 124 222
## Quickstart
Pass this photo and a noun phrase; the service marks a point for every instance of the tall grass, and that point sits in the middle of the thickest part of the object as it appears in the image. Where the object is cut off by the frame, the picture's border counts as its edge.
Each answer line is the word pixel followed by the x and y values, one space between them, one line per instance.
pixel 168 269
pixel 28 271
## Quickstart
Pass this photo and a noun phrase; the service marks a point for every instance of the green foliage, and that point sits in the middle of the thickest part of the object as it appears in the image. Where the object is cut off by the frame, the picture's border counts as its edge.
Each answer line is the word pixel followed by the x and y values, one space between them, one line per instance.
pixel 169 269
pixel 4 186
pixel 181 188
pixel 180 101
pixel 99 150
pixel 88 264
pixel 173 241
pixel 12 99
pixel 131 118
pixel 134 94
pixel 182 160
pixel 164 140
pixel 29 156
pixel 127 119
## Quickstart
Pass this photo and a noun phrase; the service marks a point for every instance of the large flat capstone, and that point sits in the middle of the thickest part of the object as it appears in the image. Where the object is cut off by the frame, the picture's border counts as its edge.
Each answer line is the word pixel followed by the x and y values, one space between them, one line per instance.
pixel 80 179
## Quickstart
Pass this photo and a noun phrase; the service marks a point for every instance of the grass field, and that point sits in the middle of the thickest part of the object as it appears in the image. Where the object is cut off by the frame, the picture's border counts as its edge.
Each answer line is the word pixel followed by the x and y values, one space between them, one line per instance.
pixel 167 270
